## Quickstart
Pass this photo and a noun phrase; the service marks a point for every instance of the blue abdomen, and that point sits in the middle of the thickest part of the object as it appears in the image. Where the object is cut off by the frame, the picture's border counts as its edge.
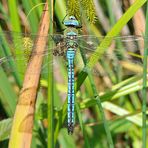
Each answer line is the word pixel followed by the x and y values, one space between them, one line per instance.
pixel 71 94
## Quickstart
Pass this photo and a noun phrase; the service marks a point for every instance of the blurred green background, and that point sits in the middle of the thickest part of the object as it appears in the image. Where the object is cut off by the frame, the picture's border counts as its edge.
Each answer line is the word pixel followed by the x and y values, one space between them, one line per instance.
pixel 115 80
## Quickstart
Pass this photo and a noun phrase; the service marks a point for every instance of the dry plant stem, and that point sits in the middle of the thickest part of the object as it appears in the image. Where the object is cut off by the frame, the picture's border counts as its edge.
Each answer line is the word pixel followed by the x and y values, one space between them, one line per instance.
pixel 103 20
pixel 138 21
pixel 139 25
pixel 21 134
pixel 118 13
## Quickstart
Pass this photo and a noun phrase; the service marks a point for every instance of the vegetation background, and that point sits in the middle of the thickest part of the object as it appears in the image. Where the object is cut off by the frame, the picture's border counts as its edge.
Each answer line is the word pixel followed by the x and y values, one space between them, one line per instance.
pixel 115 84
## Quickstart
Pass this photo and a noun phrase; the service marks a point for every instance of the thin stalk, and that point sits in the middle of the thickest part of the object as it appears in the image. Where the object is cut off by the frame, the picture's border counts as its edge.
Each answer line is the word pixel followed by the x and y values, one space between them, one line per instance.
pixel 144 90
pixel 50 85
pixel 98 102
pixel 110 11
pixel 86 142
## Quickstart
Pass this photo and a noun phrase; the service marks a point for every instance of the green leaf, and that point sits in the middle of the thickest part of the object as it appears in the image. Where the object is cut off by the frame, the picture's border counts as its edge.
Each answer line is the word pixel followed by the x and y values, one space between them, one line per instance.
pixel 65 140
pixel 7 96
pixel 5 128
pixel 14 18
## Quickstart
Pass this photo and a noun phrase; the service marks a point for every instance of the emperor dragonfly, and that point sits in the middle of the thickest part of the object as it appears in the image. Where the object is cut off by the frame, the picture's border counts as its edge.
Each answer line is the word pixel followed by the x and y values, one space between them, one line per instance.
pixel 67 45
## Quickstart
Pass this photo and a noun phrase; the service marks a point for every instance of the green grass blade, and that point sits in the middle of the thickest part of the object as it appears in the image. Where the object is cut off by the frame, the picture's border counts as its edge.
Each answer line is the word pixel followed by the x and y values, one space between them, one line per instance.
pixel 66 140
pixel 144 90
pixel 7 52
pixel 39 8
pixel 50 86
pixel 136 119
pixel 14 18
pixel 60 10
pixel 16 27
pixel 110 11
pixel 7 96
pixel 61 120
pixel 5 128
pixel 33 20
pixel 5 15
pixel 98 103
pixel 86 142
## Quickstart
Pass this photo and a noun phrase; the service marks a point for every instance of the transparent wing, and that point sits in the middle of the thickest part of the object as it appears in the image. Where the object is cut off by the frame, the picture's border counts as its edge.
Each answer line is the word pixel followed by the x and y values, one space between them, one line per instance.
pixel 126 51
pixel 16 49
pixel 90 42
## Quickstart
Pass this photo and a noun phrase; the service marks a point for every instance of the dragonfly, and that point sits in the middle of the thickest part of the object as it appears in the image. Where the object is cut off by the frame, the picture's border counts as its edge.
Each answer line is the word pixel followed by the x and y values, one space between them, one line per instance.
pixel 17 48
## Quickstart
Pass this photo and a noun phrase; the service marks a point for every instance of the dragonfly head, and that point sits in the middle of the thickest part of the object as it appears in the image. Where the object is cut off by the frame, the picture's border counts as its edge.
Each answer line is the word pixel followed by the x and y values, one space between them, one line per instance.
pixel 72 22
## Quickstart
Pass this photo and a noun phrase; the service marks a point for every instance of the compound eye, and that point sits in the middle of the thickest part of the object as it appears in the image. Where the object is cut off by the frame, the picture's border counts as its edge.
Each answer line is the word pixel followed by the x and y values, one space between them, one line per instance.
pixel 67 37
pixel 75 36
